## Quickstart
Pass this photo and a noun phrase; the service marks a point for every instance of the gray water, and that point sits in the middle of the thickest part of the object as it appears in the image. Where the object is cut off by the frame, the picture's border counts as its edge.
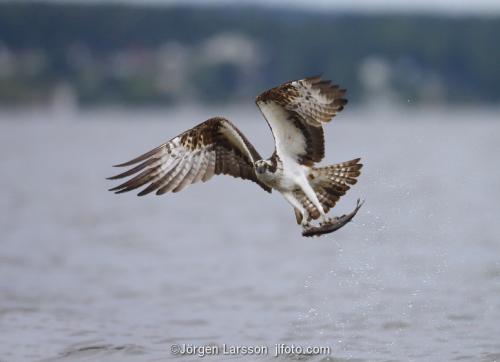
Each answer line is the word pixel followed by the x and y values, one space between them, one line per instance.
pixel 86 275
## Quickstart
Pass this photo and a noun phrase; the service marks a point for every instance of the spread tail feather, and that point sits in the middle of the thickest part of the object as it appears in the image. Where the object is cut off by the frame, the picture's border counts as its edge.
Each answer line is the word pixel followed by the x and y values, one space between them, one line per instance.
pixel 340 174
pixel 330 183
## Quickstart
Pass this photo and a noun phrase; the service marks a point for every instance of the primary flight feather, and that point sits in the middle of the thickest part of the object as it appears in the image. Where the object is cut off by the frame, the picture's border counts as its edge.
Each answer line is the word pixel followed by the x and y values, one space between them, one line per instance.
pixel 295 111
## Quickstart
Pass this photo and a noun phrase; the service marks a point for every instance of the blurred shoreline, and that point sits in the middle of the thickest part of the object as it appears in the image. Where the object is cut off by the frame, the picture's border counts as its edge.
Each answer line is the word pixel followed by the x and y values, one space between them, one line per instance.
pixel 243 112
pixel 99 54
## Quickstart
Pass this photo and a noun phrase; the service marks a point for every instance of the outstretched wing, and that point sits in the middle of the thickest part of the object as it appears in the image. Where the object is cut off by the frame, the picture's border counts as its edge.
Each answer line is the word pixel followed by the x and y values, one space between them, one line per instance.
pixel 213 147
pixel 296 112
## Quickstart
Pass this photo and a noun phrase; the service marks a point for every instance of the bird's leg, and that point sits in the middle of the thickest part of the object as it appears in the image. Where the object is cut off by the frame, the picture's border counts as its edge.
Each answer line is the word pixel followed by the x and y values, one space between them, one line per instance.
pixel 325 220
pixel 290 197
pixel 311 195
pixel 305 221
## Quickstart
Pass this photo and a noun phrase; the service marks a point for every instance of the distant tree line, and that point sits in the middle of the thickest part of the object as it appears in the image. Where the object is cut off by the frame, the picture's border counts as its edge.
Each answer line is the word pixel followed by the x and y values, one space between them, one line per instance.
pixel 141 55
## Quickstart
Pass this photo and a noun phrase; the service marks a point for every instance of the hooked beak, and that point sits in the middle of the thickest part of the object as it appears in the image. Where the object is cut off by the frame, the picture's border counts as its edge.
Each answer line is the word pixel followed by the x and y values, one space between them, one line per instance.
pixel 260 169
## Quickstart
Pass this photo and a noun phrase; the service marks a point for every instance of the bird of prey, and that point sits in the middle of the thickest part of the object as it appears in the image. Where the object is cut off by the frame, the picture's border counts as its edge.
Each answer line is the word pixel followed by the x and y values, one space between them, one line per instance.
pixel 296 112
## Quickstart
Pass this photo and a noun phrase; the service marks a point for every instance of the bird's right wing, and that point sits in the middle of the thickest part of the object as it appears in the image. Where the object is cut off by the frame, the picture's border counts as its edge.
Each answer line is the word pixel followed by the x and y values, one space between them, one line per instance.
pixel 213 147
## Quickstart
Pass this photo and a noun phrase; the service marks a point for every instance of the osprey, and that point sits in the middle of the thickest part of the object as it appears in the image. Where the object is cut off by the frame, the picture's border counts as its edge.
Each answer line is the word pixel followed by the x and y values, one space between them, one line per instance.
pixel 295 111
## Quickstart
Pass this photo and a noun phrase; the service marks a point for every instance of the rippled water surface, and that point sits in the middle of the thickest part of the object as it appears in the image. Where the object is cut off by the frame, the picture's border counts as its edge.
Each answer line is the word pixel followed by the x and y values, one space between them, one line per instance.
pixel 86 275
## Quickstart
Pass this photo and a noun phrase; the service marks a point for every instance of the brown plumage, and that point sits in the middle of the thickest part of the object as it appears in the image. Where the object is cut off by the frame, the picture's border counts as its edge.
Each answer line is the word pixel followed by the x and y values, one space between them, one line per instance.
pixel 296 112
pixel 213 147
pixel 308 104
pixel 329 183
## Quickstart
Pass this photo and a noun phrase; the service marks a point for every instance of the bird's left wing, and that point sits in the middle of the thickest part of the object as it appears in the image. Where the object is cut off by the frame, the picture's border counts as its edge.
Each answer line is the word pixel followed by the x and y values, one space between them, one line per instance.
pixel 213 147
pixel 296 112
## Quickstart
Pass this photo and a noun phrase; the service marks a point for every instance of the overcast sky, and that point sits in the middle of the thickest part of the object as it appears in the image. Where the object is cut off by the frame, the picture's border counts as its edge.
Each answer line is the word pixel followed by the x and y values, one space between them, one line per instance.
pixel 491 7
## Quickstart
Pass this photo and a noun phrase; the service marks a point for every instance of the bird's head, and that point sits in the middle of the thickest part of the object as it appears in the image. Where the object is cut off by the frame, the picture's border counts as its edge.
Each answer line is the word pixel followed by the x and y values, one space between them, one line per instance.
pixel 262 166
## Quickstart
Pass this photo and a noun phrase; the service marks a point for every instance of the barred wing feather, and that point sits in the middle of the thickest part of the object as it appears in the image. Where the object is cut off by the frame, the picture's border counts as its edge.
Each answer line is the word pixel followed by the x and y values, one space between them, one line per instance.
pixel 213 147
pixel 296 112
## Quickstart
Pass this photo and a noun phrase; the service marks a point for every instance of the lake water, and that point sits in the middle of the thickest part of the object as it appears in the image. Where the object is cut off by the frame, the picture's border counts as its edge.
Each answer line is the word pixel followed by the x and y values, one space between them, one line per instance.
pixel 86 275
